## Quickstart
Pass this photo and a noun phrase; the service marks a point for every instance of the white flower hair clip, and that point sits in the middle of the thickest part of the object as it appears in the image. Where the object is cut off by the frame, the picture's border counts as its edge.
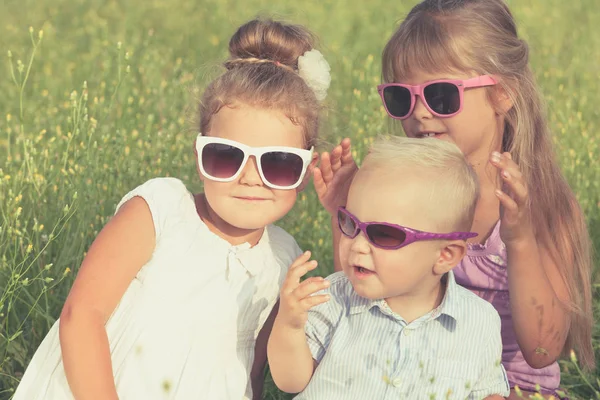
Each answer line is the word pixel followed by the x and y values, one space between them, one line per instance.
pixel 314 69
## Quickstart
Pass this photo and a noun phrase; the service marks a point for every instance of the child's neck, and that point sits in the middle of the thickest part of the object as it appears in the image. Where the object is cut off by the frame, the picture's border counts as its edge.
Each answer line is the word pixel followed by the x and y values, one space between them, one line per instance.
pixel 222 228
pixel 414 305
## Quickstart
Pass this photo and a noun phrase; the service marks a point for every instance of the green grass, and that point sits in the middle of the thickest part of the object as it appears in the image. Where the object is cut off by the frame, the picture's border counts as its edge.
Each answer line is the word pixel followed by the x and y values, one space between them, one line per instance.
pixel 84 120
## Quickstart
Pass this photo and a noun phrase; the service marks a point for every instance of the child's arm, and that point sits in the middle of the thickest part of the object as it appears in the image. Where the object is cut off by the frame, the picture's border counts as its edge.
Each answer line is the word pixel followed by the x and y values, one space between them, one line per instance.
pixel 123 246
pixel 536 288
pixel 257 375
pixel 332 182
pixel 495 397
pixel 290 358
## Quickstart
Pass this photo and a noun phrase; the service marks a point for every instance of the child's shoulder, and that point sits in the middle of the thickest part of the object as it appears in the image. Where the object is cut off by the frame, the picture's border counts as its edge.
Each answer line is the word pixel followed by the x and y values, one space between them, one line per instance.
pixel 283 244
pixel 164 186
pixel 280 237
pixel 167 198
pixel 340 288
pixel 342 297
pixel 474 309
pixel 158 189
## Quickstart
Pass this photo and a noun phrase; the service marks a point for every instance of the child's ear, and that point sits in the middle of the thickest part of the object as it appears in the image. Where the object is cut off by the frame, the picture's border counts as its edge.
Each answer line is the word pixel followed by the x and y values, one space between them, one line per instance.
pixel 502 100
pixel 450 256
pixel 309 172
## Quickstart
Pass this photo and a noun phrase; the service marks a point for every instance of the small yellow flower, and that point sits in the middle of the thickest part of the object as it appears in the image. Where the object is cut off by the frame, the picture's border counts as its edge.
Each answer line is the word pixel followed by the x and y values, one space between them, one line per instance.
pixel 518 391
pixel 573 356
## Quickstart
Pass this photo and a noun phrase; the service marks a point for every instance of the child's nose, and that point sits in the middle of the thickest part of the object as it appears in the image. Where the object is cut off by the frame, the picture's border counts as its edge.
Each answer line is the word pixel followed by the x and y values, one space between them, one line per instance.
pixel 420 111
pixel 250 175
pixel 360 244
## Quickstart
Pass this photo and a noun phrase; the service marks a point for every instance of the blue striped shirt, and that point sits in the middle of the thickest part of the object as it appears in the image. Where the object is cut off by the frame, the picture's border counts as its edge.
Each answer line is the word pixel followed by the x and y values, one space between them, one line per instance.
pixel 366 351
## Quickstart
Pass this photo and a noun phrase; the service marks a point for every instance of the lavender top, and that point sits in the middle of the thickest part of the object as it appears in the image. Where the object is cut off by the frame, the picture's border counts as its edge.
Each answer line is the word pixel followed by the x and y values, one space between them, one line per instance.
pixel 484 272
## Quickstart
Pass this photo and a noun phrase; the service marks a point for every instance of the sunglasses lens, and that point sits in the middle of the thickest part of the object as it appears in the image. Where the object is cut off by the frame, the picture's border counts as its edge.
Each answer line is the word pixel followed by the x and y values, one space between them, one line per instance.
pixel 443 97
pixel 221 161
pixel 397 100
pixel 346 224
pixel 385 236
pixel 281 168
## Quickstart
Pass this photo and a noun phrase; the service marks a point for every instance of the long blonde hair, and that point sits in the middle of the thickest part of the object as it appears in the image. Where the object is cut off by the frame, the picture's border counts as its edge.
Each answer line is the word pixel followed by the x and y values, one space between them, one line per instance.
pixel 262 72
pixel 480 36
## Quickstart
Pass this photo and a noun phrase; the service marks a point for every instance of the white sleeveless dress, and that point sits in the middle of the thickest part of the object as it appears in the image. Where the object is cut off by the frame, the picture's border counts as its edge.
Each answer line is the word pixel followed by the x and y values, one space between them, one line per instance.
pixel 187 324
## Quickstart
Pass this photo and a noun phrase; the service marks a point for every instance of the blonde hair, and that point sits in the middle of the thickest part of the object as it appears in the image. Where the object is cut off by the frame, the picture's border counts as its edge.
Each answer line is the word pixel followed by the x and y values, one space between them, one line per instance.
pixel 445 173
pixel 480 37
pixel 262 72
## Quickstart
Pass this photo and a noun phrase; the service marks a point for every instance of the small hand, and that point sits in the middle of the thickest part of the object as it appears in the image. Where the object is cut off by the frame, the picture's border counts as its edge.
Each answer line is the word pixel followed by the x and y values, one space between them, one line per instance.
pixel 333 176
pixel 297 298
pixel 515 213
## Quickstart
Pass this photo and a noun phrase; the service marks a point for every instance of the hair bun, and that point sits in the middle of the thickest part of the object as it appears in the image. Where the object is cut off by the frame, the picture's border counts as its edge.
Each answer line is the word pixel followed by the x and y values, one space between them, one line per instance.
pixel 269 40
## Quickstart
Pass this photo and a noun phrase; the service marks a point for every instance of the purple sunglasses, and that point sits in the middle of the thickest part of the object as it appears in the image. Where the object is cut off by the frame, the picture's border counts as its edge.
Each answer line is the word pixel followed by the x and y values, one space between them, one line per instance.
pixel 390 236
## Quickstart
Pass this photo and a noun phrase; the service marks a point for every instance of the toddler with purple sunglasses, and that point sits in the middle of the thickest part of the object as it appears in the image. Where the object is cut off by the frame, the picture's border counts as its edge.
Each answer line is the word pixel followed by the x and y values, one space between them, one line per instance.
pixel 394 323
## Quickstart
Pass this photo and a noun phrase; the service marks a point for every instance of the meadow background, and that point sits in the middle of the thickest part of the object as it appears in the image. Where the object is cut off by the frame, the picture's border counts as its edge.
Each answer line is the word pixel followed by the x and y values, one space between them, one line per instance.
pixel 99 96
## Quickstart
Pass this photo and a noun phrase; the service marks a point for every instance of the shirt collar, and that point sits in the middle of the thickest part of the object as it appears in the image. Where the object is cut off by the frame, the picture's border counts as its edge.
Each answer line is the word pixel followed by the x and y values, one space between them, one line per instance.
pixel 449 305
pixel 253 259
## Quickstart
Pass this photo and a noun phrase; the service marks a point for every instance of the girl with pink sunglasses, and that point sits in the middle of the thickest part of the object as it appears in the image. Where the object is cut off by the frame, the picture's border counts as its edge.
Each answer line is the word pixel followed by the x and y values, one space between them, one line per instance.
pixel 459 72
pixel 175 298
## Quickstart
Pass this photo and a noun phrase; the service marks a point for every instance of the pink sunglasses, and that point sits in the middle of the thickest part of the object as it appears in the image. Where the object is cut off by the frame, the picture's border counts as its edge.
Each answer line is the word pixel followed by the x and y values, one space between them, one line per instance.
pixel 443 98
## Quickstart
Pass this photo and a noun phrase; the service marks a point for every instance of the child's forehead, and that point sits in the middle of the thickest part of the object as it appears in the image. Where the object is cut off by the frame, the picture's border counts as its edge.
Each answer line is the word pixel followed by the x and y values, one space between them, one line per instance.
pixel 418 76
pixel 390 196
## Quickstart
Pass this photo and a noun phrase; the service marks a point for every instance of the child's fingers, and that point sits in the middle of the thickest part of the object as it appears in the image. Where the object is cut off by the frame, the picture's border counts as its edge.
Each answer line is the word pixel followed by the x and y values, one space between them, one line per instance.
pixel 336 158
pixel 325 166
pixel 507 202
pixel 301 259
pixel 319 183
pixel 310 286
pixel 309 302
pixel 346 152
pixel 292 279
pixel 517 188
pixel 345 143
pixel 504 162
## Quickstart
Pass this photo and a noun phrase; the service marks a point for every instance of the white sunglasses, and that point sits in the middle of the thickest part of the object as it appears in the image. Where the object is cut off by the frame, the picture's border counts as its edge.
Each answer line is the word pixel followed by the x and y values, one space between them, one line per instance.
pixel 222 160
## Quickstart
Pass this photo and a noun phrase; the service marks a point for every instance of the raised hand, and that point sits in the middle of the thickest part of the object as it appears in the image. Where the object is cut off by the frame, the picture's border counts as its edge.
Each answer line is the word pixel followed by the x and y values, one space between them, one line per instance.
pixel 333 176
pixel 296 297
pixel 515 214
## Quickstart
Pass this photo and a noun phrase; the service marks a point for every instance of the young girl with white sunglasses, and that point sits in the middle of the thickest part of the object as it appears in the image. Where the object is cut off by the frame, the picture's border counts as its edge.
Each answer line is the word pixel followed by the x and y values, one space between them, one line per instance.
pixel 174 299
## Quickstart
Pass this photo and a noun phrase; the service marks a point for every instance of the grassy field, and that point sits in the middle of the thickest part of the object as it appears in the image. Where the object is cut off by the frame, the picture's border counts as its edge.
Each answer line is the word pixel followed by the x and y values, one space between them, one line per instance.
pixel 105 98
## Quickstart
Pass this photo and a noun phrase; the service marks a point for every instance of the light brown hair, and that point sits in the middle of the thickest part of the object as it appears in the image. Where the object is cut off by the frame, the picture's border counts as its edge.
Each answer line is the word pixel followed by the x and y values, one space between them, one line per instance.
pixel 262 72
pixel 480 37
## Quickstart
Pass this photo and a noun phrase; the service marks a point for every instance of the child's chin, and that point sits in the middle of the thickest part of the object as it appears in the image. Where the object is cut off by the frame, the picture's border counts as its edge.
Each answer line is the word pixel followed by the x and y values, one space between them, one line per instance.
pixel 250 222
pixel 364 291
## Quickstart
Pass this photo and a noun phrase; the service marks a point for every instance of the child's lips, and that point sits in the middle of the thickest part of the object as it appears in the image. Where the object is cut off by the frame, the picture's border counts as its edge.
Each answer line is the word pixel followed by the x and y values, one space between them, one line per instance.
pixel 362 272
pixel 431 134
